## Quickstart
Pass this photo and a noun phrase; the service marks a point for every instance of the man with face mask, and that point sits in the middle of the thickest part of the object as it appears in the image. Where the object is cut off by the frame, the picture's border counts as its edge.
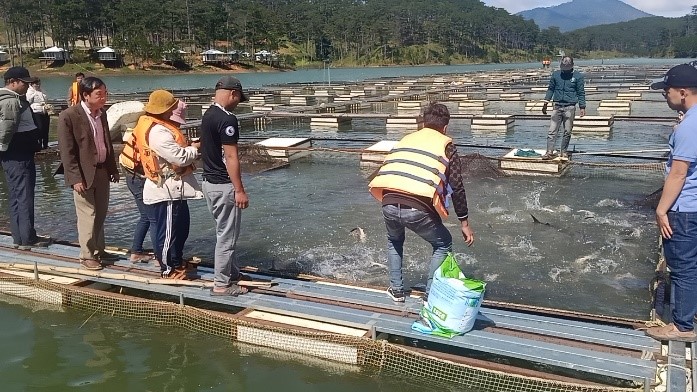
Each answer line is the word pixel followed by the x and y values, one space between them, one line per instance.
pixel 566 91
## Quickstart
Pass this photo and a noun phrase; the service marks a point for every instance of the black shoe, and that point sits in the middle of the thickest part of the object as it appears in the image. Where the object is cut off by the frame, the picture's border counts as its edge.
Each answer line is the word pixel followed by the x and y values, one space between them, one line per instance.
pixel 547 156
pixel 397 295
pixel 37 244
pixel 106 256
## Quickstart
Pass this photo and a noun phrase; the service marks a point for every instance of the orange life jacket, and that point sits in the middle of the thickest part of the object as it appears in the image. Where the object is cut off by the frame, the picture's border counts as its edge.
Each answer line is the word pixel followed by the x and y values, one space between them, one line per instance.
pixel 416 166
pixel 148 158
pixel 74 96
pixel 129 157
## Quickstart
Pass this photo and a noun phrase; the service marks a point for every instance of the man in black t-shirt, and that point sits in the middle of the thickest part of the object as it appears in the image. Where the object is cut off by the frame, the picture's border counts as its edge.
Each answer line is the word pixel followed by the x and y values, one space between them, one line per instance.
pixel 222 181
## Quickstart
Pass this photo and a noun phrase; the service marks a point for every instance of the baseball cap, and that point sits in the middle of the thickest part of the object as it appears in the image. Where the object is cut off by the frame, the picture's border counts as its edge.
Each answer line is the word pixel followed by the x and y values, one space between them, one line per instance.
pixel 566 64
pixel 231 83
pixel 19 73
pixel 683 75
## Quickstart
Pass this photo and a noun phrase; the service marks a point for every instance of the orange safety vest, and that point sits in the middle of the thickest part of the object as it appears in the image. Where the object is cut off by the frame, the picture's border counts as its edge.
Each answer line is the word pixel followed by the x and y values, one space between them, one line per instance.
pixel 416 166
pixel 74 96
pixel 129 157
pixel 147 158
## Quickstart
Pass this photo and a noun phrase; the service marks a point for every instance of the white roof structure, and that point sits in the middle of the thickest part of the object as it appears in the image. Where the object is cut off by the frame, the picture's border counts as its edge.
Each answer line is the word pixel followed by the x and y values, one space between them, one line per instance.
pixel 106 49
pixel 212 51
pixel 53 49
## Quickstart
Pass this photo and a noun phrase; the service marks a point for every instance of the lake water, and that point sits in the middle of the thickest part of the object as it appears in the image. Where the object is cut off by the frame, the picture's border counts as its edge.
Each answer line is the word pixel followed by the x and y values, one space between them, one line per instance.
pixel 596 255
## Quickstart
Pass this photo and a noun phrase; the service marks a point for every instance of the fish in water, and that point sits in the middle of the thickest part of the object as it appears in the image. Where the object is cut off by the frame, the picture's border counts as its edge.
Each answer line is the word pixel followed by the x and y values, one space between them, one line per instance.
pixel 535 220
pixel 358 233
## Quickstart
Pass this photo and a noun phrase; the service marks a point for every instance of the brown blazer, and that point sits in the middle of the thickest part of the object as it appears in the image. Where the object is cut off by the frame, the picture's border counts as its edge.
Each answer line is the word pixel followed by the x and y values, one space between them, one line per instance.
pixel 77 150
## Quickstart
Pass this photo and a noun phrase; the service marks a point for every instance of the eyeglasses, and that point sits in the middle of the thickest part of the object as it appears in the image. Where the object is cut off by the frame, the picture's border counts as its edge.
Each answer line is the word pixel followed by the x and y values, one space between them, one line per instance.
pixel 665 93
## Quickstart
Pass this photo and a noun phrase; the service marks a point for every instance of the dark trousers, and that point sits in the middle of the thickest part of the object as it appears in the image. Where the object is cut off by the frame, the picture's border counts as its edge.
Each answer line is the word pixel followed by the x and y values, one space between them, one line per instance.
pixel 20 176
pixel 42 121
pixel 172 221
pixel 147 215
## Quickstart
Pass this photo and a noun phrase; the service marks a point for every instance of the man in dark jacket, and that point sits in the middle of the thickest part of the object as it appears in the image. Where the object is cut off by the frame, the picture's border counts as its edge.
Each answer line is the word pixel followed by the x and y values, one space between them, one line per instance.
pixel 18 143
pixel 566 91
pixel 87 156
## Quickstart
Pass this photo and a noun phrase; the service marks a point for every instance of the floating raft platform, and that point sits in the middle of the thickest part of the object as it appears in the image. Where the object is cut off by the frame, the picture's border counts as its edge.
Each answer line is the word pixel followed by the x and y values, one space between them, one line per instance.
pixel 493 122
pixel 532 166
pixel 540 348
pixel 282 148
pixel 600 124
pixel 375 154
pixel 615 105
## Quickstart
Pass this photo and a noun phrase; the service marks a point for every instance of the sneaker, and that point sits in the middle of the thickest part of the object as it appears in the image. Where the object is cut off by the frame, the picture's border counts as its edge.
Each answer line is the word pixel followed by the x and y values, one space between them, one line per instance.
pixel 547 156
pixel 564 155
pixel 91 264
pixel 671 332
pixel 397 295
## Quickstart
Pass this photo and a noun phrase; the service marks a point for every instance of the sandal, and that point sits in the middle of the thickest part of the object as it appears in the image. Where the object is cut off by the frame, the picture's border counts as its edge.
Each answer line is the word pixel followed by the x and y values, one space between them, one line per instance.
pixel 232 291
pixel 177 273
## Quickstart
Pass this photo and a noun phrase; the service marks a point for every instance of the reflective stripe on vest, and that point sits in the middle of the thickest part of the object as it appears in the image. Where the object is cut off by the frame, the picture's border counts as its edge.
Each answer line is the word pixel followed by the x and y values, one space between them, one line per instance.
pixel 148 158
pixel 416 166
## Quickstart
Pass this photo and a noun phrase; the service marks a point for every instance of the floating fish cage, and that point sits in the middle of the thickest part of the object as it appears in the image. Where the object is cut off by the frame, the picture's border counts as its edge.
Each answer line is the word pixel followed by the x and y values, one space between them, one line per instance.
pixel 512 164
pixel 375 154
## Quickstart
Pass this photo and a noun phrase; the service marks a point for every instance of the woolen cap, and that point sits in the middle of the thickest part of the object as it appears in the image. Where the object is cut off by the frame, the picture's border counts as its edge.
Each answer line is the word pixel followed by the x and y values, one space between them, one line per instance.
pixel 19 73
pixel 231 83
pixel 179 113
pixel 683 75
pixel 566 64
pixel 160 101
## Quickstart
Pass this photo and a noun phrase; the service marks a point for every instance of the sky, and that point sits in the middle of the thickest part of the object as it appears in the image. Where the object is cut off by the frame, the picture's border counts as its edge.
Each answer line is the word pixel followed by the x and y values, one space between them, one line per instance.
pixel 668 8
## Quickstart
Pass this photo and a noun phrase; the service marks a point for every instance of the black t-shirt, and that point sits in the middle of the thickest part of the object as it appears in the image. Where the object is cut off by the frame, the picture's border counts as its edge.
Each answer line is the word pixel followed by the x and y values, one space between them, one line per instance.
pixel 218 127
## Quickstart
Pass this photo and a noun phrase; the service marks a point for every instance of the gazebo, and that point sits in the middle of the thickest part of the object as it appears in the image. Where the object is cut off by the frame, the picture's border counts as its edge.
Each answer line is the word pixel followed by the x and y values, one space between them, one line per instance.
pixel 54 53
pixel 107 54
pixel 213 56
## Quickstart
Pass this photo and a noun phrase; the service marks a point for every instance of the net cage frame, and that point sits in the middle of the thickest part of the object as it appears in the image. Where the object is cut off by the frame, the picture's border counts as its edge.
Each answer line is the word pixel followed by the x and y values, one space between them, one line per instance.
pixel 373 357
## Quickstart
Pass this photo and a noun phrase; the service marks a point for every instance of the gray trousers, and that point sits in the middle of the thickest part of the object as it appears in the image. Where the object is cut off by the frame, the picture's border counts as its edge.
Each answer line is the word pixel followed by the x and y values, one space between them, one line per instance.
pixel 221 203
pixel 561 116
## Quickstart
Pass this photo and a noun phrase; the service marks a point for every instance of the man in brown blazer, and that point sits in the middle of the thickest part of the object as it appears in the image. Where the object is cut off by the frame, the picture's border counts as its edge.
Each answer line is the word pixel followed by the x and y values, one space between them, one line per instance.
pixel 87 156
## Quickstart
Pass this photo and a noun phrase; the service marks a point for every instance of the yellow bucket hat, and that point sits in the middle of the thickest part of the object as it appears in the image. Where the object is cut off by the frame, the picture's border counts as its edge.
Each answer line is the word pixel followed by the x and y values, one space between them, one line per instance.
pixel 160 101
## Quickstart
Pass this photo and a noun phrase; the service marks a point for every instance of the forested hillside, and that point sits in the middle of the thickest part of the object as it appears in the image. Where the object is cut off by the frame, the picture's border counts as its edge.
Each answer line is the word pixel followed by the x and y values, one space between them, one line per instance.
pixel 348 32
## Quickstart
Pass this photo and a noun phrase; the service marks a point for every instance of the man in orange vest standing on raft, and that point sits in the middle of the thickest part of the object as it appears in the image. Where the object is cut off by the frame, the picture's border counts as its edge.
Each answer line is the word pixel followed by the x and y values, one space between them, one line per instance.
pixel 73 93
pixel 413 184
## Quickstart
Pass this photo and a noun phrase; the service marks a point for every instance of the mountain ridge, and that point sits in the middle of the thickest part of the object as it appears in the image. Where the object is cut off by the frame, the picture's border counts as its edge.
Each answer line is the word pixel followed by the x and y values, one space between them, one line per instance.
pixel 578 14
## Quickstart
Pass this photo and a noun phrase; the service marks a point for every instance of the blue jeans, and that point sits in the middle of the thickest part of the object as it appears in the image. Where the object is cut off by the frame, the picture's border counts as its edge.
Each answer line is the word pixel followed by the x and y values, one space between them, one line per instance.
pixel 147 217
pixel 681 256
pixel 20 176
pixel 561 116
pixel 426 226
